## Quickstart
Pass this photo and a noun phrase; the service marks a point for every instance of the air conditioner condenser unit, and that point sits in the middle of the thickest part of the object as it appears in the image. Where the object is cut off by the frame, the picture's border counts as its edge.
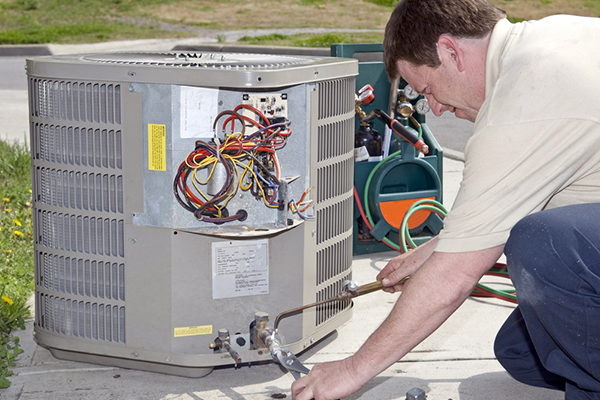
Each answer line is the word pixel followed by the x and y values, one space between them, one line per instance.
pixel 179 197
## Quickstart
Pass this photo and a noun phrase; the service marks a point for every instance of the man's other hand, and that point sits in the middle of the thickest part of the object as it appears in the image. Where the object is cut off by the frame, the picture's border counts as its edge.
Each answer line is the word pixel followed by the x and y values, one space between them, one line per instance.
pixel 328 381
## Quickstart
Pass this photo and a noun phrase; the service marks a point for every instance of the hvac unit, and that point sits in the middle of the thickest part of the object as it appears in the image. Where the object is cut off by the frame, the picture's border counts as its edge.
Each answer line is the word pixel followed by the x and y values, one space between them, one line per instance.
pixel 180 197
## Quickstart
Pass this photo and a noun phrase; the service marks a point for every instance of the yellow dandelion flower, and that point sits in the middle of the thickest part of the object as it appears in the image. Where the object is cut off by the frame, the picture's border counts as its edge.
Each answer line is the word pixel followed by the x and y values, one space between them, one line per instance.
pixel 8 251
pixel 8 209
pixel 7 300
pixel 17 222
pixel 30 191
pixel 18 233
pixel 6 199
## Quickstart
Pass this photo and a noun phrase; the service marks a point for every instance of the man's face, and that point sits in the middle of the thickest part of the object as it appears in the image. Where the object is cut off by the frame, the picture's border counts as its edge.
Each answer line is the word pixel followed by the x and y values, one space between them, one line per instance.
pixel 445 87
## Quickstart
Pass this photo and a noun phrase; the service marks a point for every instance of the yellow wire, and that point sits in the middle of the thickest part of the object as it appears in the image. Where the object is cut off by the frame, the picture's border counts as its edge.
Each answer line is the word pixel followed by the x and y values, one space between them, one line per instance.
pixel 247 167
pixel 236 177
pixel 208 160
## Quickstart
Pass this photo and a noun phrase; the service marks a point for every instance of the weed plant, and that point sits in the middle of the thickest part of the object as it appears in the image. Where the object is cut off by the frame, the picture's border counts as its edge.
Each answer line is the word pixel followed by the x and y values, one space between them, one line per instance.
pixel 16 251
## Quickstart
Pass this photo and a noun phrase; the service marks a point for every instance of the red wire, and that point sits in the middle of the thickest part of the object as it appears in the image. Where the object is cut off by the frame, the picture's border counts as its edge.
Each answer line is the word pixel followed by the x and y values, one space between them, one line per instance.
pixel 249 107
pixel 232 119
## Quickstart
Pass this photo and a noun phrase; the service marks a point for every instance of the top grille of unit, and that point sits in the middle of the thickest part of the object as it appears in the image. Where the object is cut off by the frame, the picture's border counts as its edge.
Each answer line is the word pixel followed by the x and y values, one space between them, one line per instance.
pixel 210 60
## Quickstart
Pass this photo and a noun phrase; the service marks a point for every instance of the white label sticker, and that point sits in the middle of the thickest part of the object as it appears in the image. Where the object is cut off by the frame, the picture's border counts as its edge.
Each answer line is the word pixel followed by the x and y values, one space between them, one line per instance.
pixel 240 268
pixel 198 111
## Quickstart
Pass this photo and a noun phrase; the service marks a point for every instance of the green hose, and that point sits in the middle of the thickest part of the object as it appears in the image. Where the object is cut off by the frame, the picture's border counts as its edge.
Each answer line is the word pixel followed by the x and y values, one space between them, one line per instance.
pixel 366 197
pixel 422 204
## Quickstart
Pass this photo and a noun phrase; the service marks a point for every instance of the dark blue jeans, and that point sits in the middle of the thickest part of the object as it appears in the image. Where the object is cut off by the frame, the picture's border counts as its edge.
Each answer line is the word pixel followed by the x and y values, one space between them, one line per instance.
pixel 552 339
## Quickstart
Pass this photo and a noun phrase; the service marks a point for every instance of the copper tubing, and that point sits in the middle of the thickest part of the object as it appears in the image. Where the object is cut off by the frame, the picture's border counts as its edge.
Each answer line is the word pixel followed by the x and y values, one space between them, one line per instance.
pixel 234 354
pixel 345 295
pixel 362 289
pixel 298 309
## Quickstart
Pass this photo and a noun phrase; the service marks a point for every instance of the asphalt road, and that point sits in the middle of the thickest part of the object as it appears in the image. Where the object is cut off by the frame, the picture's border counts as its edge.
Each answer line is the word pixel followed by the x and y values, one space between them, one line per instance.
pixel 12 73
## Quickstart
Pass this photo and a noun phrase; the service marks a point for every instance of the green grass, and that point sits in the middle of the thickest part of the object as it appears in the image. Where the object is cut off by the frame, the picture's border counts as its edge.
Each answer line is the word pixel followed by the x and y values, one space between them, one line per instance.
pixel 386 3
pixel 16 251
pixel 90 21
pixel 54 34
pixel 312 40
pixel 76 21
pixel 593 6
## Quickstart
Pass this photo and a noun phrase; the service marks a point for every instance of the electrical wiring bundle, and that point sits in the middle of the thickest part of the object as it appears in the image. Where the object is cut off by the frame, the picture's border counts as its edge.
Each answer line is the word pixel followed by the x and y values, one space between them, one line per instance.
pixel 238 161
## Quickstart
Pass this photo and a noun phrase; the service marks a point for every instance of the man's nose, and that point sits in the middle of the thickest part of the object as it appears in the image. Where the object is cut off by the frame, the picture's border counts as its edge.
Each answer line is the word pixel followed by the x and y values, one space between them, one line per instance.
pixel 437 108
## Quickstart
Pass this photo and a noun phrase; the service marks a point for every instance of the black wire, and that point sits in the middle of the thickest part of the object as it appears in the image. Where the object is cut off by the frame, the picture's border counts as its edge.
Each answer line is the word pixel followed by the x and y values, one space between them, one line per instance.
pixel 209 210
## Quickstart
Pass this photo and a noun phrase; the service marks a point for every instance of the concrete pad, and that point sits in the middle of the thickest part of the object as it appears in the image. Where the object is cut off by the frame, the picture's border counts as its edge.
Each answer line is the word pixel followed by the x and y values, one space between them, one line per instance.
pixel 456 362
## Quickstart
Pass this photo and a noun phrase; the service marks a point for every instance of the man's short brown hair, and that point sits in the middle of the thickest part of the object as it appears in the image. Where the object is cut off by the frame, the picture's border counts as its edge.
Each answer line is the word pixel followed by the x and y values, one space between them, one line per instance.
pixel 414 27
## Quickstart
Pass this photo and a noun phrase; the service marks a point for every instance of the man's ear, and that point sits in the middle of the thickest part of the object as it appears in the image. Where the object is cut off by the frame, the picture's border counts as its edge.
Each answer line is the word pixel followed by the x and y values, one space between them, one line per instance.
pixel 449 50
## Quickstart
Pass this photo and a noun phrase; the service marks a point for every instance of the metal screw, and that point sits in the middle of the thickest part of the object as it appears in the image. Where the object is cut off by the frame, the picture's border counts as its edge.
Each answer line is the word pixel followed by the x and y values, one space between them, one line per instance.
pixel 131 73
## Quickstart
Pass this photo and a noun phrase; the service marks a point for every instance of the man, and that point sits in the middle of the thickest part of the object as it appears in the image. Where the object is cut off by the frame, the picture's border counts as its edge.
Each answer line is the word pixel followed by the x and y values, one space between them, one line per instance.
pixel 531 178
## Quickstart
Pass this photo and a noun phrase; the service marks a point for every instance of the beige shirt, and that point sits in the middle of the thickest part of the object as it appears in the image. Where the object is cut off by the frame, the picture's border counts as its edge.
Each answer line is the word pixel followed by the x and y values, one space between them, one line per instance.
pixel 536 140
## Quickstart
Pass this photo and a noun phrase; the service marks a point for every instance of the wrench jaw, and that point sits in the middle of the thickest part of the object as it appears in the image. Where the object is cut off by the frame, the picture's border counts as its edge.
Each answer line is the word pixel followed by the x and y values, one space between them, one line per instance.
pixel 290 362
pixel 286 358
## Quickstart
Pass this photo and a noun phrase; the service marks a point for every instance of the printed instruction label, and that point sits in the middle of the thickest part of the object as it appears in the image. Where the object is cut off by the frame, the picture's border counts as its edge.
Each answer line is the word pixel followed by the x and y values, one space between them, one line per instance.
pixel 240 268
pixel 193 331
pixel 198 111
pixel 157 147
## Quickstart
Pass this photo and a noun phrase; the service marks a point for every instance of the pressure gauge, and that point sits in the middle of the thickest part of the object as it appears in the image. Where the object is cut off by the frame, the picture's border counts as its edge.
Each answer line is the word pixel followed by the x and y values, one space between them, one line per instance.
pixel 422 107
pixel 410 93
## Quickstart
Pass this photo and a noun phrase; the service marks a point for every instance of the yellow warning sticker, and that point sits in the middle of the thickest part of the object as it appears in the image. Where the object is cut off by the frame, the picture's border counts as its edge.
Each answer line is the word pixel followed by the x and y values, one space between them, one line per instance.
pixel 157 147
pixel 193 331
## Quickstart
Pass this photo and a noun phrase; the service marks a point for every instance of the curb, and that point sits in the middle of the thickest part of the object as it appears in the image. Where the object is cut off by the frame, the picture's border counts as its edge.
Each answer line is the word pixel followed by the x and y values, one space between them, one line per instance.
pixel 9 50
pixel 235 48
pixel 454 155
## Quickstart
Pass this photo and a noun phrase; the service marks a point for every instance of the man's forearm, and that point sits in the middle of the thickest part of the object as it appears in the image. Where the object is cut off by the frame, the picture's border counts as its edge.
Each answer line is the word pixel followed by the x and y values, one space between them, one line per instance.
pixel 432 294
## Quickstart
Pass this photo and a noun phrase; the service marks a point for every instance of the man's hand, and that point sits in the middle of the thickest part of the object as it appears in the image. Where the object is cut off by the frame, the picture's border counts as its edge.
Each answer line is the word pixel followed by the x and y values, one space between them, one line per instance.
pixel 328 381
pixel 439 284
pixel 404 265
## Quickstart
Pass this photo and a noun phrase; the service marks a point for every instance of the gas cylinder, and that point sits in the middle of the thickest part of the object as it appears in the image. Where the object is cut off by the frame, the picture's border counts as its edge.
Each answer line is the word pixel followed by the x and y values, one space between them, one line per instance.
pixel 368 137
